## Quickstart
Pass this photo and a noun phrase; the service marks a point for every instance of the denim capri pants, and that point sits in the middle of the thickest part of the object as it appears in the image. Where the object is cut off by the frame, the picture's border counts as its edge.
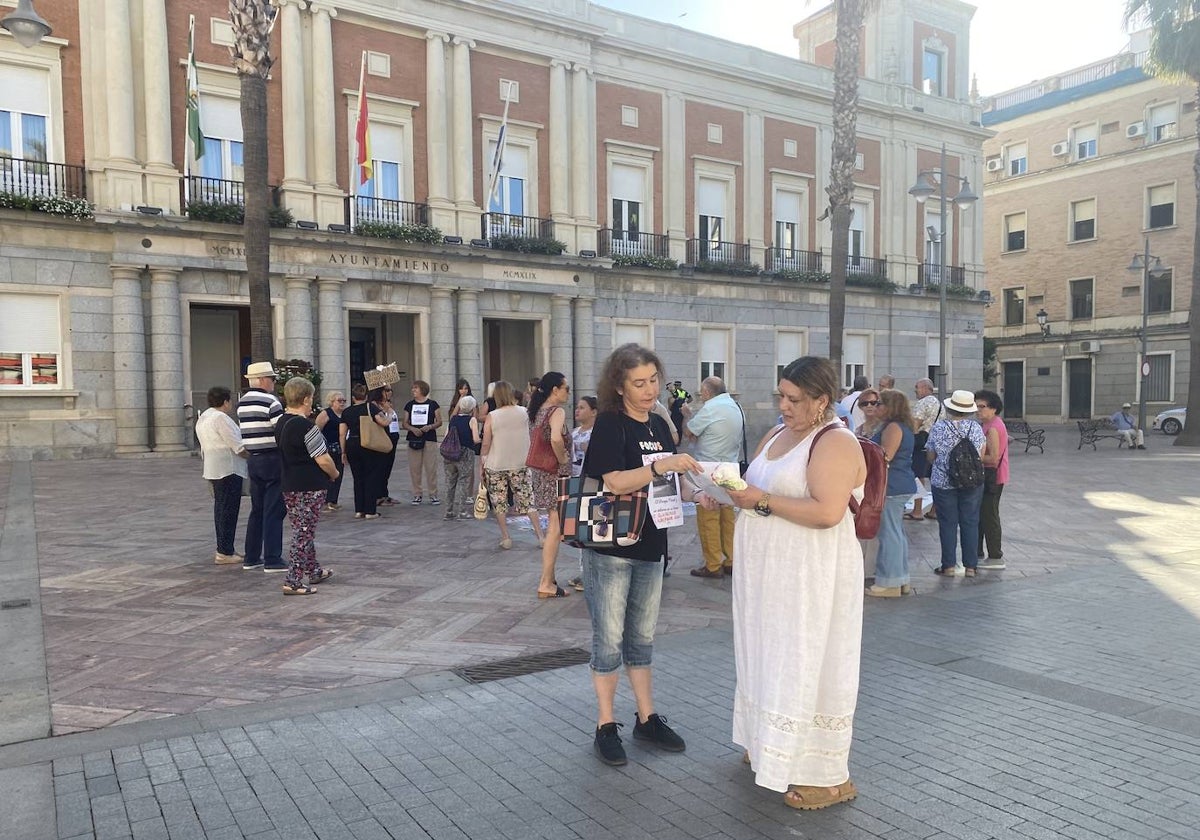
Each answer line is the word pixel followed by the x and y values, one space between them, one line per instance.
pixel 622 597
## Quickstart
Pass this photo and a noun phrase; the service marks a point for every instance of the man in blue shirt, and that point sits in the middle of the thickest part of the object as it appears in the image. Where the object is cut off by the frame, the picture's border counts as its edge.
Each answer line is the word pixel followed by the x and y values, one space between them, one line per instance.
pixel 715 432
pixel 1126 424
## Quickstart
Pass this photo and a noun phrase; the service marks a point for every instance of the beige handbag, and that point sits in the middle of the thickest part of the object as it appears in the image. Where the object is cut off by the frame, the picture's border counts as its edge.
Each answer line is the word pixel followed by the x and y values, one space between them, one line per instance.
pixel 373 436
pixel 481 501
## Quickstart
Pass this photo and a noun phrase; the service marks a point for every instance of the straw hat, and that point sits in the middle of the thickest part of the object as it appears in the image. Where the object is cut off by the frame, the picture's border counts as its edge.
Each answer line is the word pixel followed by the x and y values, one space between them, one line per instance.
pixel 259 370
pixel 961 401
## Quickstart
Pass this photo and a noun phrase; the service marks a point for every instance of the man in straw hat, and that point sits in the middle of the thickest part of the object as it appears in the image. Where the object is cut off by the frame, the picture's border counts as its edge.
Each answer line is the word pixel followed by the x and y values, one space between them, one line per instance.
pixel 258 410
pixel 1126 424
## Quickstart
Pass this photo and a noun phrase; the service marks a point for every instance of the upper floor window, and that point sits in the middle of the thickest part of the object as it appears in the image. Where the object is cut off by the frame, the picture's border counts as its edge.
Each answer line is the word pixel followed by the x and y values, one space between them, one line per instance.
pixel 933 72
pixel 1161 203
pixel 1083 219
pixel 1014 232
pixel 221 124
pixel 24 121
pixel 627 186
pixel 787 221
pixel 1158 297
pixel 1081 298
pixel 387 151
pixel 509 195
pixel 1163 122
pixel 859 247
pixel 1083 141
pixel 1016 157
pixel 30 343
pixel 1014 307
pixel 712 211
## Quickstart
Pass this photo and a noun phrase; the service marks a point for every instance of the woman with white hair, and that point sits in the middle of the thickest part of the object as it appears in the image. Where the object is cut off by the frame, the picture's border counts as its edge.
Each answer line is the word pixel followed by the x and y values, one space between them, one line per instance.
pixel 459 473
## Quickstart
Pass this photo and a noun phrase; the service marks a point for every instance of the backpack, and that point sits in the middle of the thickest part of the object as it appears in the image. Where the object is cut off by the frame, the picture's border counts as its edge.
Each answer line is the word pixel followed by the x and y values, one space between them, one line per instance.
pixel 451 447
pixel 964 468
pixel 866 513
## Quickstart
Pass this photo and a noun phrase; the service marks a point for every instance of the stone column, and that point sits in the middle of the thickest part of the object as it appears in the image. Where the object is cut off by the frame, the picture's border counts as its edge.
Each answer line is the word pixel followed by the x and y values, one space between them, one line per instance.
pixel 675 182
pixel 298 329
pixel 156 82
pixel 585 346
pixel 583 206
pixel 129 360
pixel 755 181
pixel 324 96
pixel 166 361
pixel 291 65
pixel 560 171
pixel 470 349
pixel 118 47
pixel 333 353
pixel 437 136
pixel 562 357
pixel 463 120
pixel 441 340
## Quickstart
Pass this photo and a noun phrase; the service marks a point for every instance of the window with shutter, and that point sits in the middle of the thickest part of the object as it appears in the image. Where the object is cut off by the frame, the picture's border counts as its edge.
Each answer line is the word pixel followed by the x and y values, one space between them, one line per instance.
pixel 30 341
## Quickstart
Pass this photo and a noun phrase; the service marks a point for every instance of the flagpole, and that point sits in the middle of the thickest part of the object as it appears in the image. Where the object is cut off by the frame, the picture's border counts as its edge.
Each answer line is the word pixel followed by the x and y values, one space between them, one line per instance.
pixel 498 157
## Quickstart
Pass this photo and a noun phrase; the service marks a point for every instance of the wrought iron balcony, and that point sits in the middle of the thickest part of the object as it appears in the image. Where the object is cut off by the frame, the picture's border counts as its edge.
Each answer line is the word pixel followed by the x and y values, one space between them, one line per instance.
pixel 25 176
pixel 492 225
pixel 385 211
pixel 708 250
pixel 789 259
pixel 867 265
pixel 630 243
pixel 930 274
pixel 212 190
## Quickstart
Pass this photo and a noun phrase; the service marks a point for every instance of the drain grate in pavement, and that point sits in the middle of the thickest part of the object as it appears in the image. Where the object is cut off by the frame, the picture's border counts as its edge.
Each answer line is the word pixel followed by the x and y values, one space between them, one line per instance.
pixel 520 665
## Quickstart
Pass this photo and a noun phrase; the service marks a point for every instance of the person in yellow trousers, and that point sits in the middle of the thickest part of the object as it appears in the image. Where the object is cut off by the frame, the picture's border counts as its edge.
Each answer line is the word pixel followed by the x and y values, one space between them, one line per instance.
pixel 715 433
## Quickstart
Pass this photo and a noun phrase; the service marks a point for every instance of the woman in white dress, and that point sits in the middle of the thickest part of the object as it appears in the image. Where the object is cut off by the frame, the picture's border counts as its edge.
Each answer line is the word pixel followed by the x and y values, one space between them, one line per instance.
pixel 797 596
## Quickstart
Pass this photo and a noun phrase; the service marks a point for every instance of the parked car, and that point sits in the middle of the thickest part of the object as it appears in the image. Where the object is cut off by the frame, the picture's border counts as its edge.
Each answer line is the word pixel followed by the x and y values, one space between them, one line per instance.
pixel 1170 421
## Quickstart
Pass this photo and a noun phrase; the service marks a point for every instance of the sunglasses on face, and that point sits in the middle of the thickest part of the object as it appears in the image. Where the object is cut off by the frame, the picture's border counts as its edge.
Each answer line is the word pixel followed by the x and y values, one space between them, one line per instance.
pixel 870 402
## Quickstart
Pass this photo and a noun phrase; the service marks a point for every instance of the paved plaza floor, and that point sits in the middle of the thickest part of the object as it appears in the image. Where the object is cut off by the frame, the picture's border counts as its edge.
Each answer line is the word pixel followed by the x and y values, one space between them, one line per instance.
pixel 1058 698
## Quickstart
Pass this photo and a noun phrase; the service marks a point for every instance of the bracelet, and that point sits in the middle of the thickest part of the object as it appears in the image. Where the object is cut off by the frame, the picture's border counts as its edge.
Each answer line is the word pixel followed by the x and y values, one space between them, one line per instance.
pixel 653 471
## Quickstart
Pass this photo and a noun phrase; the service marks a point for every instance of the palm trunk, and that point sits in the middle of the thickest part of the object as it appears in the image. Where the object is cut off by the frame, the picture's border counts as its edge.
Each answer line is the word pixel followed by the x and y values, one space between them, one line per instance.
pixel 841 170
pixel 1190 436
pixel 256 230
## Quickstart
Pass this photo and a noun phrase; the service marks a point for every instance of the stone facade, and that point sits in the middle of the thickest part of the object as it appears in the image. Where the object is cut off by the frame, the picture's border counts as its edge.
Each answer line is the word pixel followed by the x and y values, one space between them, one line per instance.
pixel 153 307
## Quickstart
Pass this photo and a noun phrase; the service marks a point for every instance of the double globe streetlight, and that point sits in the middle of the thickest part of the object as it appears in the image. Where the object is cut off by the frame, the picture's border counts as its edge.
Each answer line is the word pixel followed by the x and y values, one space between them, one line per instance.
pixel 1141 265
pixel 921 190
pixel 25 24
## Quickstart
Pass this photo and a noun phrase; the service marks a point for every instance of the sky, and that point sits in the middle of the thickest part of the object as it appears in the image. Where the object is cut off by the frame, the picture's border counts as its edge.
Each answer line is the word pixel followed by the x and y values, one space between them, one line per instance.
pixel 1012 41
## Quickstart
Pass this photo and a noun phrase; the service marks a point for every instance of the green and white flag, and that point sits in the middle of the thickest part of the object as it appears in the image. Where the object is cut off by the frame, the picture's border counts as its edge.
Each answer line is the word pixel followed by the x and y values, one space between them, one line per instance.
pixel 193 94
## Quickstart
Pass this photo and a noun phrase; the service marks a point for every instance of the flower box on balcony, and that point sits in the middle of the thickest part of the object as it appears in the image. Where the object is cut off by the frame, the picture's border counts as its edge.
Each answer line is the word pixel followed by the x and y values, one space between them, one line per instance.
pixel 427 234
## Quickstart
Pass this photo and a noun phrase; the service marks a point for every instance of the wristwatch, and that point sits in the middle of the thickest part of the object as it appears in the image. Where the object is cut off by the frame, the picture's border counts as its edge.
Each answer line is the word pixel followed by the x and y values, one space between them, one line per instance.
pixel 763 506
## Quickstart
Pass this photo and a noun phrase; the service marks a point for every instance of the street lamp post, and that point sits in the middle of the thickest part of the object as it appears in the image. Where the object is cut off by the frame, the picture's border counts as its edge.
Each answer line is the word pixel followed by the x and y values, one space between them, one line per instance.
pixel 921 190
pixel 1141 263
pixel 25 24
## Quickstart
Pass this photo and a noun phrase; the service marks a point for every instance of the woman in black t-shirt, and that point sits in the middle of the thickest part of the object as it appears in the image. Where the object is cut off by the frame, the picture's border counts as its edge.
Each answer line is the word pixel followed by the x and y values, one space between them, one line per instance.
pixel 422 417
pixel 630 447
pixel 307 471
pixel 366 465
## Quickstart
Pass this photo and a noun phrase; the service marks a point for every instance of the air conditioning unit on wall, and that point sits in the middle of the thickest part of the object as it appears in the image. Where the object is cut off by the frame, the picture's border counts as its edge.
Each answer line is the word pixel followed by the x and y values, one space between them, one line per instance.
pixel 1089 346
pixel 1133 130
pixel 1061 149
pixel 995 165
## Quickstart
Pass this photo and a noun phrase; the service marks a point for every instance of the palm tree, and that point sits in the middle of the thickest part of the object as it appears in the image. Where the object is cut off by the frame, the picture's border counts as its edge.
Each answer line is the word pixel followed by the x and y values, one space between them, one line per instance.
pixel 1175 54
pixel 848 40
pixel 251 53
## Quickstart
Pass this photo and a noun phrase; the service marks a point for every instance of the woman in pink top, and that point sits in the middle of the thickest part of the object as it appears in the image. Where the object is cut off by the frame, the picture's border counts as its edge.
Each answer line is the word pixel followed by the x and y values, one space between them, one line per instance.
pixel 995 468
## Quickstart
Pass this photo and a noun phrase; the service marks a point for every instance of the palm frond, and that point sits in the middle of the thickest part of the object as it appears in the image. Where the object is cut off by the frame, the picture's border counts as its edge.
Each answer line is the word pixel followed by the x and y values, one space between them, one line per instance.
pixel 1174 36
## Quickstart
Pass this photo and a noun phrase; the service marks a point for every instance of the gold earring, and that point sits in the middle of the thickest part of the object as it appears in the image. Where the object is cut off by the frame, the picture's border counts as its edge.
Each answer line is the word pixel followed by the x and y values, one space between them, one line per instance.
pixel 816 421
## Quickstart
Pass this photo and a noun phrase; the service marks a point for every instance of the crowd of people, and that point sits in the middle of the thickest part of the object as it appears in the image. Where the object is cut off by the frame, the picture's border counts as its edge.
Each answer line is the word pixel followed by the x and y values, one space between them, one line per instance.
pixel 785 533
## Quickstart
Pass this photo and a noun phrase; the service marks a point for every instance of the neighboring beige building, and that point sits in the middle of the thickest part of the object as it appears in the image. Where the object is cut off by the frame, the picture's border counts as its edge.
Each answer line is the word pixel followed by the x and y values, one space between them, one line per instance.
pixel 628 141
pixel 1083 168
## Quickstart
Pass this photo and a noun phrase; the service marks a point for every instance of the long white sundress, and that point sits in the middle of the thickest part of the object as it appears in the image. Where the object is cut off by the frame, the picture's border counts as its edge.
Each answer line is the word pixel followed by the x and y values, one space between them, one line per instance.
pixel 797 634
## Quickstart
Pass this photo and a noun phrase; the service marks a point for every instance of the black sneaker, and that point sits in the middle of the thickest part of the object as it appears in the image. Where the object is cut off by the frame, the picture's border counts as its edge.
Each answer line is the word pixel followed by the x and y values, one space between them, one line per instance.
pixel 275 567
pixel 656 731
pixel 607 745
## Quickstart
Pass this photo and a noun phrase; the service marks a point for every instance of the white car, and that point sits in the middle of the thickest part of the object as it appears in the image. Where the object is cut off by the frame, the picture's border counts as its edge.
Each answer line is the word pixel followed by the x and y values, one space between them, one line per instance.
pixel 1170 421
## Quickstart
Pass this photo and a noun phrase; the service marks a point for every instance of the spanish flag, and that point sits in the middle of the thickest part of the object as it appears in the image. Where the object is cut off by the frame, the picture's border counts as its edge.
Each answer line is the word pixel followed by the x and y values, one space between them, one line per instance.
pixel 362 130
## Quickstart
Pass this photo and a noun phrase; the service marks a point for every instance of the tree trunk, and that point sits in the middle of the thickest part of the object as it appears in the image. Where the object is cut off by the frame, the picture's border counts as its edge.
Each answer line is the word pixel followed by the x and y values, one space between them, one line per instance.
pixel 257 229
pixel 1190 436
pixel 841 170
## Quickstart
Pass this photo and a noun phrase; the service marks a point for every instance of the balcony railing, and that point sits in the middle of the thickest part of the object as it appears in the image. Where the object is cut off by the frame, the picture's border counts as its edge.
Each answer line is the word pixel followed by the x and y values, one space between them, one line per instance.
pixel 212 190
pixel 522 227
pixel 385 211
pixel 866 265
pixel 789 259
pixel 930 274
pixel 24 176
pixel 630 243
pixel 708 250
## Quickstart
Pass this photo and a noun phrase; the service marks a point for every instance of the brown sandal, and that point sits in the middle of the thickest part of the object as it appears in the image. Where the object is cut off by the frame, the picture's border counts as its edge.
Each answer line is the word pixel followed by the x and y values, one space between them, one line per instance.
pixel 809 798
pixel 558 592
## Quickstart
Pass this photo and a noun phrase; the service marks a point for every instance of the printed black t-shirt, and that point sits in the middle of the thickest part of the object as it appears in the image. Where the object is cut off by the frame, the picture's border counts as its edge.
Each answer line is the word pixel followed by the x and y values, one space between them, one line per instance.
pixel 299 442
pixel 422 414
pixel 618 443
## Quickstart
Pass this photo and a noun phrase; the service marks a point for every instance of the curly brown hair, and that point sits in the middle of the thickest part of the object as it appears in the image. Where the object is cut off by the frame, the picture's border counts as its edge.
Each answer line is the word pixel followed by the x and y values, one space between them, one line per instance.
pixel 895 407
pixel 612 377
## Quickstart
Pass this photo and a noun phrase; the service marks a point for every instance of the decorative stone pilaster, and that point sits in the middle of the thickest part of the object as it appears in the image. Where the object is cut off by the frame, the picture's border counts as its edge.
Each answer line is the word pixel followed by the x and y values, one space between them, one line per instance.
pixel 560 170
pixel 585 346
pixel 441 340
pixel 324 95
pixel 166 361
pixel 755 180
pixel 129 360
pixel 462 122
pixel 291 67
pixel 561 343
pixel 118 59
pixel 333 351
pixel 675 186
pixel 470 346
pixel 298 328
pixel 437 135
pixel 583 205
pixel 162 178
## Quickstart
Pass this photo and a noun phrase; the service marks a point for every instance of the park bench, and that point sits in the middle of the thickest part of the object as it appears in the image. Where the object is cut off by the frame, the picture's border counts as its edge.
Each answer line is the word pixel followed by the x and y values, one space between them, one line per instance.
pixel 1021 432
pixel 1091 431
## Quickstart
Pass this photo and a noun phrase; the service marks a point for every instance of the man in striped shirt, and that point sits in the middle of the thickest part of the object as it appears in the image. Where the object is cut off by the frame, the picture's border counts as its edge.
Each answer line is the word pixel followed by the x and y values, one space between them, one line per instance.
pixel 258 410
